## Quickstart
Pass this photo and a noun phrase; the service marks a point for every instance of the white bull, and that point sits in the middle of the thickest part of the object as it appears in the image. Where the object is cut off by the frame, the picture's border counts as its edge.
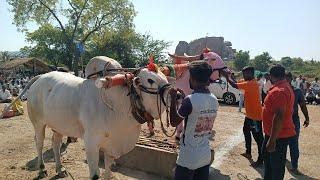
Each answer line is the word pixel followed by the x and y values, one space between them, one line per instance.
pixel 72 106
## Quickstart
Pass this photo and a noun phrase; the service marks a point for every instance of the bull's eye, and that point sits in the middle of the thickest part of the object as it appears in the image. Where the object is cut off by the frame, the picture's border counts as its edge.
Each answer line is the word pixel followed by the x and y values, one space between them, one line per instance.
pixel 150 81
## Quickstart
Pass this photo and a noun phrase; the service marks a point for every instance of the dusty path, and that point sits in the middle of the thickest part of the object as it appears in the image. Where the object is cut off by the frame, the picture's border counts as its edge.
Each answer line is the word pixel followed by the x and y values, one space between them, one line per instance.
pixel 18 153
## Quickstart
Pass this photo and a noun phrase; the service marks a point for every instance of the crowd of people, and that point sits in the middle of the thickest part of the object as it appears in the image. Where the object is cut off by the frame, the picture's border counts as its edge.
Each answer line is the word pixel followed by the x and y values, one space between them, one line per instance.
pixel 271 104
pixel 10 88
pixel 310 90
pixel 274 101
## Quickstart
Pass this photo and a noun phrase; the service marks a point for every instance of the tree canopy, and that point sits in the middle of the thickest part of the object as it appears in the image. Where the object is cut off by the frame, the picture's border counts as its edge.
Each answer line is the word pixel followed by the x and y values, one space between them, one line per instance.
pixel 241 59
pixel 76 20
pixel 262 61
pixel 102 27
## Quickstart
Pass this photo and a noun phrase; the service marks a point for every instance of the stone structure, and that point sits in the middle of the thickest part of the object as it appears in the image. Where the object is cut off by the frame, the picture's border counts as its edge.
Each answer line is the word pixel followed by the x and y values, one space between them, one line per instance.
pixel 216 44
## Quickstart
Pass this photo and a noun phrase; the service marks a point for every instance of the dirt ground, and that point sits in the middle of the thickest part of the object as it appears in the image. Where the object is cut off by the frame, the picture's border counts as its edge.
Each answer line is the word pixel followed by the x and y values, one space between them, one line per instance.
pixel 18 153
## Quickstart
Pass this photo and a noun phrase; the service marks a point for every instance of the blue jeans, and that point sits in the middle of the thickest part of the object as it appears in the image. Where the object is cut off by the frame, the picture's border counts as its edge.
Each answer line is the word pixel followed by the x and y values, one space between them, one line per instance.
pixel 183 173
pixel 274 162
pixel 294 144
pixel 255 128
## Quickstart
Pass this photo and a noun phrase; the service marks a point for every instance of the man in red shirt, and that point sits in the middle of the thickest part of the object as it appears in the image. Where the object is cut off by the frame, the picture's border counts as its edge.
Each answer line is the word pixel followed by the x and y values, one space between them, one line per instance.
pixel 277 124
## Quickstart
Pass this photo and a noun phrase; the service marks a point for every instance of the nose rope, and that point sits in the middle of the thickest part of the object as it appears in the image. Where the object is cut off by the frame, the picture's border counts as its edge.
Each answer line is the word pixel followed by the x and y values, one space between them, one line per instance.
pixel 165 132
pixel 137 107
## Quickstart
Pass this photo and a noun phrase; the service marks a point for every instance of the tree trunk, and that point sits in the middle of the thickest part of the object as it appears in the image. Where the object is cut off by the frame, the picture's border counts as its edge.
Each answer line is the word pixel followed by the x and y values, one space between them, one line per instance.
pixel 76 63
pixel 69 61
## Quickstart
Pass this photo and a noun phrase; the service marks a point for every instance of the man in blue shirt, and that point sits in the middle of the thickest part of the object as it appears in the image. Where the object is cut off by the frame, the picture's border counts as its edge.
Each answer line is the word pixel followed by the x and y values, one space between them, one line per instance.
pixel 294 144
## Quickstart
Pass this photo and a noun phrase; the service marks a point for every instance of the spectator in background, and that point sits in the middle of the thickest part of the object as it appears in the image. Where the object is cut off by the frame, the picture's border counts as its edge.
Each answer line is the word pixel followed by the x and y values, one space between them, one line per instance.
pixel 261 81
pixel 5 96
pixel 18 84
pixel 303 86
pixel 12 85
pixel 294 144
pixel 277 124
pixel 25 95
pixel 266 86
pixel 294 82
pixel 315 85
pixel 299 81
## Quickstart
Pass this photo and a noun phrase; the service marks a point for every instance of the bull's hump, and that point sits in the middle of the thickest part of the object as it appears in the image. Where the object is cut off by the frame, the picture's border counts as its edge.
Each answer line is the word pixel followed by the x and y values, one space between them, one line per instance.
pixel 60 76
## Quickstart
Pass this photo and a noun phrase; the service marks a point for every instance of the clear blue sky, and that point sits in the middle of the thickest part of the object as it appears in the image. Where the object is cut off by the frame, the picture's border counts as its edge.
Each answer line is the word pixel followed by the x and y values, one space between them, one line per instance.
pixel 281 27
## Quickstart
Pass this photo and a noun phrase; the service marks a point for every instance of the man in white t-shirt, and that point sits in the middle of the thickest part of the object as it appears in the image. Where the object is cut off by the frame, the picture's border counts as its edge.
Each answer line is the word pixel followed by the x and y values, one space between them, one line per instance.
pixel 294 83
pixel 198 111
pixel 5 96
pixel 261 81
pixel 315 85
pixel 299 81
pixel 266 86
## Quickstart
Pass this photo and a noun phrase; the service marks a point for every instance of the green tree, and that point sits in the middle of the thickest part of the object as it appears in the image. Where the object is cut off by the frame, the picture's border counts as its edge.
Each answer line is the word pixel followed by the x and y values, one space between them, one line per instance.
pixel 262 61
pixel 241 60
pixel 298 63
pixel 287 62
pixel 148 46
pixel 77 20
pixel 131 49
pixel 4 56
pixel 51 48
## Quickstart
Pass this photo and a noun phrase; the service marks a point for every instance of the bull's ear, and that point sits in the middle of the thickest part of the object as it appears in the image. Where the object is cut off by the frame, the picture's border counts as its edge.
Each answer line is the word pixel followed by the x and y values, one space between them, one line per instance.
pixel 136 82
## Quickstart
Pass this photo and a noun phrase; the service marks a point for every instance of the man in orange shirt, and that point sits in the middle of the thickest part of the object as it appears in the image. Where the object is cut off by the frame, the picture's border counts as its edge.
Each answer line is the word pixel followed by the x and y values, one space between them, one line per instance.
pixel 252 123
pixel 277 124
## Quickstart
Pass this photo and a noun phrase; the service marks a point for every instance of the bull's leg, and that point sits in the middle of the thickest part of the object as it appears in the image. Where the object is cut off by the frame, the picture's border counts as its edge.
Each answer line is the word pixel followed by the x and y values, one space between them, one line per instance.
pixel 56 145
pixel 39 138
pixel 92 152
pixel 108 161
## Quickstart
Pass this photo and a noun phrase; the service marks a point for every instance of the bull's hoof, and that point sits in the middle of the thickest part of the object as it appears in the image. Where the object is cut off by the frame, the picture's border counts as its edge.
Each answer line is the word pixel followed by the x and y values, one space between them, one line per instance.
pixel 42 174
pixel 114 168
pixel 62 174
pixel 95 177
pixel 71 140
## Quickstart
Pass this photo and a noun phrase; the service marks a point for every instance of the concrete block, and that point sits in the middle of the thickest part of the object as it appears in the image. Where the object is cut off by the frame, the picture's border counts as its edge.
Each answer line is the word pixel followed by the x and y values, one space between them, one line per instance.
pixel 151 160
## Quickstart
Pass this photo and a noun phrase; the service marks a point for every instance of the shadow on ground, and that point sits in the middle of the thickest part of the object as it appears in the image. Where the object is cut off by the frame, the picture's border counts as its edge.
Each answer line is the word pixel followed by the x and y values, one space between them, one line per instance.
pixel 48 156
pixel 215 174
pixel 298 176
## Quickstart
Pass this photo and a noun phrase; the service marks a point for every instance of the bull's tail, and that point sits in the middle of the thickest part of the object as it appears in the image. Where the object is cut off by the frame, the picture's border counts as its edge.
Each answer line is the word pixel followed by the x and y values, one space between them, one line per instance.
pixel 20 95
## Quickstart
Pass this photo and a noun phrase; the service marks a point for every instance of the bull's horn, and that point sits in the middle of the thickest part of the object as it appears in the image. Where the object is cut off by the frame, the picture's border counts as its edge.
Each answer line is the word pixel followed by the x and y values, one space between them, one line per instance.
pixel 122 69
pixel 116 80
pixel 178 68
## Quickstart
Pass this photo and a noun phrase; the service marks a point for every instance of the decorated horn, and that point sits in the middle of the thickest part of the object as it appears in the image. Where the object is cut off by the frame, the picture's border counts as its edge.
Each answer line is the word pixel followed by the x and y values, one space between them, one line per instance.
pixel 116 80
pixel 178 68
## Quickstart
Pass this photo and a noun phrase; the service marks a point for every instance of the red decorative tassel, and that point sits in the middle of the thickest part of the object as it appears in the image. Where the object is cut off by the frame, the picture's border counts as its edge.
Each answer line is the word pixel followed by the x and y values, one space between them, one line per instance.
pixel 151 66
